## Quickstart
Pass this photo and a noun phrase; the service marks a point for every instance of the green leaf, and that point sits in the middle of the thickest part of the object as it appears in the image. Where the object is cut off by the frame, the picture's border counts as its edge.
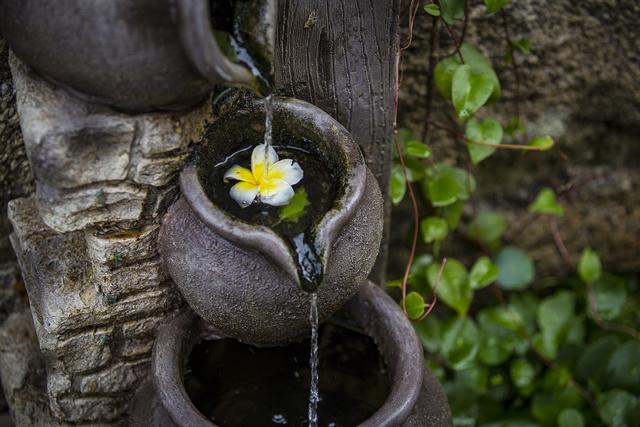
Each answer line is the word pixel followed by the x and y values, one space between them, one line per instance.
pixel 460 342
pixel 398 184
pixel 547 405
pixel 429 332
pixel 433 229
pixel 523 45
pixel 623 368
pixel 415 169
pixel 544 142
pixel 494 5
pixel 570 418
pixel 546 203
pixel 611 295
pixel 488 131
pixel 296 206
pixel 415 305
pixel 452 10
pixel 483 273
pixel 522 373
pixel 417 149
pixel 469 90
pixel 432 9
pixel 487 227
pixel 589 266
pixel 516 268
pixel 452 214
pixel 454 287
pixel 418 274
pixel 619 408
pixel 442 190
pixel 498 342
pixel 479 64
pixel 554 318
pixel 515 126
pixel 593 360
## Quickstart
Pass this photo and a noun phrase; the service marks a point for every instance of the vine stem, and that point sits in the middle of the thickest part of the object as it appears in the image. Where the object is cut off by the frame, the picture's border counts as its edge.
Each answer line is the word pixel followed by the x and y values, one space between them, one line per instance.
pixel 486 144
pixel 434 297
pixel 416 225
pixel 557 238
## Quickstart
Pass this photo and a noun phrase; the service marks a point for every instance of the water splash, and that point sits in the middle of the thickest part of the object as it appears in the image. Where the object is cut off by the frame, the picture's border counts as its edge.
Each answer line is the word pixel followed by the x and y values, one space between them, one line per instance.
pixel 314 396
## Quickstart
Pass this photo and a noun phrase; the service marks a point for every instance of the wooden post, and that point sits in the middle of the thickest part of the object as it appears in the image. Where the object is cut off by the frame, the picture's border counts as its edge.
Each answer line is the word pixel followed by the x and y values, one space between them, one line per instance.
pixel 340 55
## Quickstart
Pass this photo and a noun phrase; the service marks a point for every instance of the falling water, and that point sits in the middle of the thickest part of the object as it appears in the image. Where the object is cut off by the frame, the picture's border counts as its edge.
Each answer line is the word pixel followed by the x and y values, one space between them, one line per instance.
pixel 268 128
pixel 314 397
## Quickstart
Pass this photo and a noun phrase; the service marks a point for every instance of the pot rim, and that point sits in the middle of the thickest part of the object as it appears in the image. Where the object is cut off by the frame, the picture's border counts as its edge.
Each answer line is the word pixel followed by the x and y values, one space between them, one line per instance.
pixel 202 50
pixel 372 308
pixel 263 239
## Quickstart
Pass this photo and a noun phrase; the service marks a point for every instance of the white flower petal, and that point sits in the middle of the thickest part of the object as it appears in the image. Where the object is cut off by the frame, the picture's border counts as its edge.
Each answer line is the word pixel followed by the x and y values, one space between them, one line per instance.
pixel 276 192
pixel 258 158
pixel 240 174
pixel 244 193
pixel 287 170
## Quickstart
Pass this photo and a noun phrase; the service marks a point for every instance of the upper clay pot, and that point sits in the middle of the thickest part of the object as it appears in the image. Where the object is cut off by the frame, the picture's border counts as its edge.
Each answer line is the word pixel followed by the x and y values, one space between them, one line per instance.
pixel 135 55
pixel 241 277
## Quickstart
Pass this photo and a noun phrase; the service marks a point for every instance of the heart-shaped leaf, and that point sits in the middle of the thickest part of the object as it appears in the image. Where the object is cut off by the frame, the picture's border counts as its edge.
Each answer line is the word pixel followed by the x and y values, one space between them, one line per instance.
pixel 398 184
pixel 479 65
pixel 483 273
pixel 433 229
pixel 546 203
pixel 469 90
pixel 432 9
pixel 487 131
pixel 589 266
pixel 415 305
pixel 454 286
pixel 542 142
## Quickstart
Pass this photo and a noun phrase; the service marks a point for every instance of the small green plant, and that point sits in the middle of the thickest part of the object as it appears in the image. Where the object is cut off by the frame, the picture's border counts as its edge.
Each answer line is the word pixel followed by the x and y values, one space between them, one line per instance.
pixel 509 351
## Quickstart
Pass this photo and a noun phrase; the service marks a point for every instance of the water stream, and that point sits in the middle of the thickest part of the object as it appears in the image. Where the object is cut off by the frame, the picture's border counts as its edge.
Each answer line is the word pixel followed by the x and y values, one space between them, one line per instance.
pixel 314 396
pixel 299 237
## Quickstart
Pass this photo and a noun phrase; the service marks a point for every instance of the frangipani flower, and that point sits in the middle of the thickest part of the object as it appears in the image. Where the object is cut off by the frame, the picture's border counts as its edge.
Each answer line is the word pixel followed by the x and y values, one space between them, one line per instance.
pixel 270 179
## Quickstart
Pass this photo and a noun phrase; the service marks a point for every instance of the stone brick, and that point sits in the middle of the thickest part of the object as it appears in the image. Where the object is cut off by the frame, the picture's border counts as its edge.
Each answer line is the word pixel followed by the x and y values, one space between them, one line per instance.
pixel 66 211
pixel 139 336
pixel 127 280
pixel 157 171
pixel 89 409
pixel 162 133
pixel 78 156
pixel 86 351
pixel 119 377
pixel 123 247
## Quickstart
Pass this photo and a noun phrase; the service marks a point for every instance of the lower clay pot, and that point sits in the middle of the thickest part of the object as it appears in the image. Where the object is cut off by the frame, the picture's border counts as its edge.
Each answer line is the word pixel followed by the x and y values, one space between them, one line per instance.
pixel 413 397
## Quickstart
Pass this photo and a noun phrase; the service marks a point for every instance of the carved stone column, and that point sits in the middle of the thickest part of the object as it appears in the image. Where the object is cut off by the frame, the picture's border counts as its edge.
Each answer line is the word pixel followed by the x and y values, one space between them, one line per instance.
pixel 86 244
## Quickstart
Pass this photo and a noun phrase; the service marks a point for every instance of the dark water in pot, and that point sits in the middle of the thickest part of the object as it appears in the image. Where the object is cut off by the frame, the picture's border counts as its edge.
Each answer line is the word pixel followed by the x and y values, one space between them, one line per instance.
pixel 235 385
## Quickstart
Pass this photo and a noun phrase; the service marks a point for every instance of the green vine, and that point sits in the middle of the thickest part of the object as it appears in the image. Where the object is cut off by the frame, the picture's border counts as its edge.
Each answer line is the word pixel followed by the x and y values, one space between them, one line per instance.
pixel 509 351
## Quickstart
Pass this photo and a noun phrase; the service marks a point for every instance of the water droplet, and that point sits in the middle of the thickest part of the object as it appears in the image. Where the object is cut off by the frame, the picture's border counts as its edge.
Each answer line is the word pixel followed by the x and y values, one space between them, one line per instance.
pixel 279 419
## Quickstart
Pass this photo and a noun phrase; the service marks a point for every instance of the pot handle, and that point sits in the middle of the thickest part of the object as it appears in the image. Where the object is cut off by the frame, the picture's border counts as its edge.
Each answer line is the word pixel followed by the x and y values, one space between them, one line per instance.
pixel 202 49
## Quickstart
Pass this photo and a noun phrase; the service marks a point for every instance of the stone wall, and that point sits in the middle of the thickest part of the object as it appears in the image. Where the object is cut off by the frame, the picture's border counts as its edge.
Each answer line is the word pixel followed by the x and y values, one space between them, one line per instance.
pixel 580 84
pixel 86 242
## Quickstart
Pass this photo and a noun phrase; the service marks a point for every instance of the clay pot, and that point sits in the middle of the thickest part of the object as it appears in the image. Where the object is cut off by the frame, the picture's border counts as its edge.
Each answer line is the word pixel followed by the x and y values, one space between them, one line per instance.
pixel 133 55
pixel 241 277
pixel 415 398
